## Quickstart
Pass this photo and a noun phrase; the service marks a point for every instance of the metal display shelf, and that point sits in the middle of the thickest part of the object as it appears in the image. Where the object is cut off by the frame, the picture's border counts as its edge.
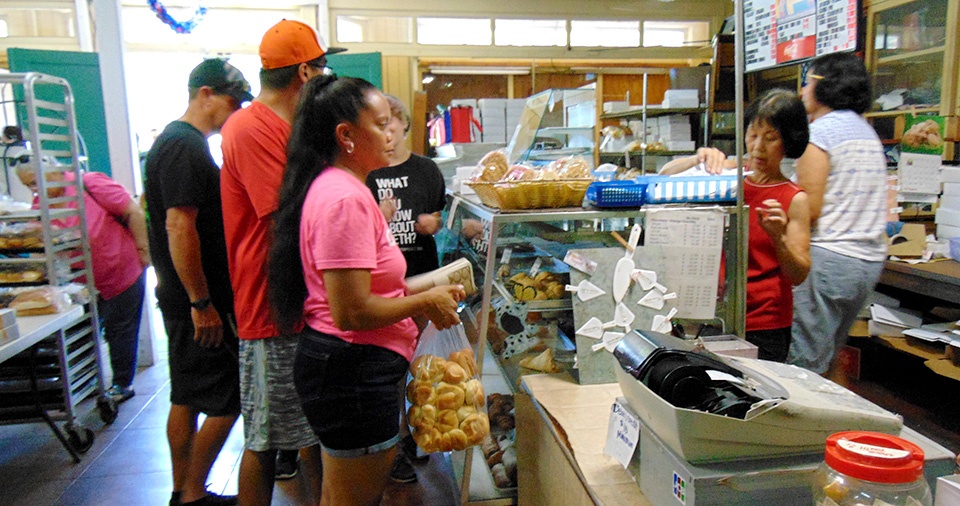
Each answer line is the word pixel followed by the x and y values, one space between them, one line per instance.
pixel 545 232
pixel 55 363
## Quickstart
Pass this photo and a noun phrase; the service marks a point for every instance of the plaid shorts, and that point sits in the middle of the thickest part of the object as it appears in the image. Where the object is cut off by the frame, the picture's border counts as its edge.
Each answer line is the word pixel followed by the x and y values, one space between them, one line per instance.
pixel 272 416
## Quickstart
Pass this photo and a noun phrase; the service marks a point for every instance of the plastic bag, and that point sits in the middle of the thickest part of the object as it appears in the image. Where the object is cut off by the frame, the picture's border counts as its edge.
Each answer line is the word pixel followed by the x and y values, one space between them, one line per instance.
pixel 447 404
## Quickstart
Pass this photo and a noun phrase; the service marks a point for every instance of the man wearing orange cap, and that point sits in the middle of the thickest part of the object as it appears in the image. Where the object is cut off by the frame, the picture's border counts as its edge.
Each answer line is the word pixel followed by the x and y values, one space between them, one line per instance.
pixel 254 157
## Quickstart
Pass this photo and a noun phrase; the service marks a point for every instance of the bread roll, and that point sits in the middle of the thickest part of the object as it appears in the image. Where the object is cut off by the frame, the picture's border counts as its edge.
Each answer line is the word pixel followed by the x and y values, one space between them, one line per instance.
pixel 453 373
pixel 490 446
pixel 428 368
pixel 476 427
pixel 449 396
pixel 493 166
pixel 473 391
pixel 454 440
pixel 447 420
pixel 421 393
pixel 495 458
pixel 428 440
pixel 465 411
pixel 422 416
pixel 466 360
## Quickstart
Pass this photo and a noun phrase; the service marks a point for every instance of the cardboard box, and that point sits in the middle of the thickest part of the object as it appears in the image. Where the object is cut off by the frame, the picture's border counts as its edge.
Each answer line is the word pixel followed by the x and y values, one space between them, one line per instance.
pixel 910 242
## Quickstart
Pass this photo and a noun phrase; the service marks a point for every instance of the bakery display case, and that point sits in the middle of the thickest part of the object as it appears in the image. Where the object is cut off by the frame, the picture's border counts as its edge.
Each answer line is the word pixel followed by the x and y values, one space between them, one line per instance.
pixel 912 54
pixel 50 357
pixel 555 123
pixel 527 317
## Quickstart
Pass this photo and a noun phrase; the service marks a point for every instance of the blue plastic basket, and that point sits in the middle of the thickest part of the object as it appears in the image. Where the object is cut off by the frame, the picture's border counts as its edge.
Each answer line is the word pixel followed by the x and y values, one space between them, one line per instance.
pixel 673 189
pixel 617 193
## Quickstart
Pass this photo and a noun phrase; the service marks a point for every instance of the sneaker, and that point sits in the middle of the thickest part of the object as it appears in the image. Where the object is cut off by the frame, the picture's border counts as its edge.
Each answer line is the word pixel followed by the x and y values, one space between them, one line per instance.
pixel 409 448
pixel 402 470
pixel 120 394
pixel 287 464
pixel 212 499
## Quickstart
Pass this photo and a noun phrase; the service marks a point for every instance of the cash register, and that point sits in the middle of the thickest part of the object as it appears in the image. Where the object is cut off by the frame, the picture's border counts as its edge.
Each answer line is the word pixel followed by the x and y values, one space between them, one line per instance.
pixel 731 430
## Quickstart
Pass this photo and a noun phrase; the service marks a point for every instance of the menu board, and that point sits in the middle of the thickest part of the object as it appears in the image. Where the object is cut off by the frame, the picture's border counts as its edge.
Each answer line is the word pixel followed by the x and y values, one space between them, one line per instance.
pixel 784 31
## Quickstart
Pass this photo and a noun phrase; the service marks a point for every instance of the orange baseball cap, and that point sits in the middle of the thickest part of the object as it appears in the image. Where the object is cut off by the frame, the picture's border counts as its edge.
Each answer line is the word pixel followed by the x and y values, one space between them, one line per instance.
pixel 290 43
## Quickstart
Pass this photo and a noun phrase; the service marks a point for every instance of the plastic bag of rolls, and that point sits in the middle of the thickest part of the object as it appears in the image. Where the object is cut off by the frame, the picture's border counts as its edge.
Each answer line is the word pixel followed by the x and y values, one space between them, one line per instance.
pixel 446 401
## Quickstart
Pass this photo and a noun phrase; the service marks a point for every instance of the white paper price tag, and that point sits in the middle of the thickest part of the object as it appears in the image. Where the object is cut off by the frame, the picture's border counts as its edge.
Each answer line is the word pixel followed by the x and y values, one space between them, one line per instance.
pixel 623 434
pixel 507 253
pixel 535 268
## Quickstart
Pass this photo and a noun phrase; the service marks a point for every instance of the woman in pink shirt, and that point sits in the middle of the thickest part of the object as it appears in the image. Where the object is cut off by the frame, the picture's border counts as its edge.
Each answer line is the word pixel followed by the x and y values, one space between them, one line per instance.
pixel 335 267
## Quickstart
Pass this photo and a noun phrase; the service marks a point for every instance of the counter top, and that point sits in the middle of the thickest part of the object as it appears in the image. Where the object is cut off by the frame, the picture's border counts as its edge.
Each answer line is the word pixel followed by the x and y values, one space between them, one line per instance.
pixel 35 328
pixel 940 279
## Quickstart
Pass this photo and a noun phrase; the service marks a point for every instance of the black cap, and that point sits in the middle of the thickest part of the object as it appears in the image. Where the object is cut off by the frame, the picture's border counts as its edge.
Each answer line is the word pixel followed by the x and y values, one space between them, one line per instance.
pixel 223 78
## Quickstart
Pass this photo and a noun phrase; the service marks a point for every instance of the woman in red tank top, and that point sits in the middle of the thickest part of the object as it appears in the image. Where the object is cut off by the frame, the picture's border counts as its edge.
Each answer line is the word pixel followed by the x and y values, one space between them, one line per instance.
pixel 779 237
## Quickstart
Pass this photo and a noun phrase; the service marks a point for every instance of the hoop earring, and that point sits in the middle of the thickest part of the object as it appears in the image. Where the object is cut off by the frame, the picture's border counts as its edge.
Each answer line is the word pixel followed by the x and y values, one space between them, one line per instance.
pixel 350 148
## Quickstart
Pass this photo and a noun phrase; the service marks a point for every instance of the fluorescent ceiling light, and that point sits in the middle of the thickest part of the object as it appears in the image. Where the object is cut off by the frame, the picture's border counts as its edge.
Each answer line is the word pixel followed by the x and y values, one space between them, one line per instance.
pixel 428 78
pixel 515 71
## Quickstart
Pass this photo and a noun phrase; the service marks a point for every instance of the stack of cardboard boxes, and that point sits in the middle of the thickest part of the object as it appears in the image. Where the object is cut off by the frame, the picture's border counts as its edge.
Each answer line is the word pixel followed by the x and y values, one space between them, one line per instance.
pixel 499 118
pixel 948 212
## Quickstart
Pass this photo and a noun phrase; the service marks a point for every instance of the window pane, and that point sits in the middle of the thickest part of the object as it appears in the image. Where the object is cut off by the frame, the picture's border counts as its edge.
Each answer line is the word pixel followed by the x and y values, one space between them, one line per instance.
pixel 605 33
pixel 38 22
pixel 675 33
pixel 454 31
pixel 530 32
pixel 374 29
pixel 220 28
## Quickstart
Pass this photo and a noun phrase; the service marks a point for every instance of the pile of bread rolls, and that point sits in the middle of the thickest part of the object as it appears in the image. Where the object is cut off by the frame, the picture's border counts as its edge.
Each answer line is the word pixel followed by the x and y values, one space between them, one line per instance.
pixel 447 401
pixel 495 168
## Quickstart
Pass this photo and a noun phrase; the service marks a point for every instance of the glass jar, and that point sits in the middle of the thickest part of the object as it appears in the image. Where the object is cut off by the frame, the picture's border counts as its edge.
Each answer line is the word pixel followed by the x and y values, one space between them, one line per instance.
pixel 864 468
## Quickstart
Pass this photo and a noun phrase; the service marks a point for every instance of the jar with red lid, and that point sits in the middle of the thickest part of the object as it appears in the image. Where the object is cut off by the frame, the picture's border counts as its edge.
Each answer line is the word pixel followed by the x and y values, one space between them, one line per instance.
pixel 870 468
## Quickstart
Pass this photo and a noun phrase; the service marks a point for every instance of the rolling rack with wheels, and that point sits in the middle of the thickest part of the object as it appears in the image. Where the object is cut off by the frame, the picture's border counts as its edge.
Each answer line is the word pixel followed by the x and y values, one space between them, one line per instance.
pixel 55 362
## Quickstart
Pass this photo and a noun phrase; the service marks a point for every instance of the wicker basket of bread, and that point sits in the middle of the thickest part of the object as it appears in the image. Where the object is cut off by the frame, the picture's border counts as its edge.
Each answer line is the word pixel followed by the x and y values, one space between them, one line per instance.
pixel 562 183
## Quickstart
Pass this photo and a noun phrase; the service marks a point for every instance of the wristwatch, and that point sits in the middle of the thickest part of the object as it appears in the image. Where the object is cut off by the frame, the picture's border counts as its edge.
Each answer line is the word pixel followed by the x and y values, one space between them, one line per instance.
pixel 200 304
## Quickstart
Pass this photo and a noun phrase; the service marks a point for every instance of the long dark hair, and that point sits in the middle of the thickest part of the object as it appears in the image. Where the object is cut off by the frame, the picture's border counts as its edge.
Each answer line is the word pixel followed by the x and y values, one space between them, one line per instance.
pixel 326 101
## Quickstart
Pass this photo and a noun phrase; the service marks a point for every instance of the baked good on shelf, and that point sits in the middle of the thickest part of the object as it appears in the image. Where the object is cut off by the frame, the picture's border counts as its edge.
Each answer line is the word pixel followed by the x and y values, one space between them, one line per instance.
pixel 492 167
pixel 543 362
pixel 500 477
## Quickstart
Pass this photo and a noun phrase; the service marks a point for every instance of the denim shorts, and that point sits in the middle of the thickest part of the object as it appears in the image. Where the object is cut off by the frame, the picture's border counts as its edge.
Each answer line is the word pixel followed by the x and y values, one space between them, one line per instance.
pixel 349 393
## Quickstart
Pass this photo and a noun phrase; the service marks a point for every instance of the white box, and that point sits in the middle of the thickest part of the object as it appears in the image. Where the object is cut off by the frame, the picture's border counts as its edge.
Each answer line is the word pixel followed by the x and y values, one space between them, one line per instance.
pixel 680 103
pixel 951 202
pixel 731 346
pixel 677 119
pixel 951 188
pixel 499 103
pixel 615 106
pixel 950 174
pixel 8 317
pixel 947 217
pixel 947 232
pixel 683 94
pixel 680 145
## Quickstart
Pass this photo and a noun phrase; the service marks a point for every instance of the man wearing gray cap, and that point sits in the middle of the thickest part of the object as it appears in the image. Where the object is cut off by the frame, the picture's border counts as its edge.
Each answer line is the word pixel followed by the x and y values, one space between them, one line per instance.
pixel 193 290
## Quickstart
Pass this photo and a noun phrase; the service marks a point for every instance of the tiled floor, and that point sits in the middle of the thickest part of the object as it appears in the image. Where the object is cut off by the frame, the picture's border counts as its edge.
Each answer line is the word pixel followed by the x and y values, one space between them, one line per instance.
pixel 129 462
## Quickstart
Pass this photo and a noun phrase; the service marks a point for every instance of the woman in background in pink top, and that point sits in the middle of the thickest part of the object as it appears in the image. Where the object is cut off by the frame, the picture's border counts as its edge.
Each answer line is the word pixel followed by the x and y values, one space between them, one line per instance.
pixel 335 266
pixel 117 229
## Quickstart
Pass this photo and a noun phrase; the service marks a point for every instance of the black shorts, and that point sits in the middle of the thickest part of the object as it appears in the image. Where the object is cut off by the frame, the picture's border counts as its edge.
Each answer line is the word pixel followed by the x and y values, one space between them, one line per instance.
pixel 349 393
pixel 206 380
pixel 773 344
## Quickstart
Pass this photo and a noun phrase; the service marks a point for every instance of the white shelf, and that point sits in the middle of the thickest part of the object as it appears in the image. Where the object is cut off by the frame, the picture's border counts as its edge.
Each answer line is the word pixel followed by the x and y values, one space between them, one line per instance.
pixel 34 329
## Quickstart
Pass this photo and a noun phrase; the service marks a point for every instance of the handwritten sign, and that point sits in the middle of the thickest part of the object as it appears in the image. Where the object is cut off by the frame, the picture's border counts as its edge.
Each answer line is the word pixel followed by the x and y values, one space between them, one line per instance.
pixel 623 434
